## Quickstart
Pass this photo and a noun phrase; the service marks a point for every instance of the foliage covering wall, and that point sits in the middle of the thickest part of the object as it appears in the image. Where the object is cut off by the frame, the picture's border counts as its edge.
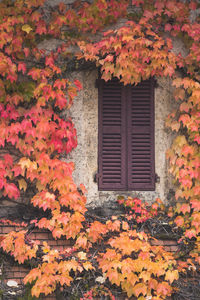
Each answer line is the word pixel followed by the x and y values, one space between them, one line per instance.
pixel 34 91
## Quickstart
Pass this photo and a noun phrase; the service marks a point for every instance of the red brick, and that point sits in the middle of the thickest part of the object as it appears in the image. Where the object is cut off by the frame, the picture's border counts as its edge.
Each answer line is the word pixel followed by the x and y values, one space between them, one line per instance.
pixel 174 248
pixel 52 242
pixel 64 243
pixel 42 236
pixel 170 243
pixel 167 248
pixel 157 243
pixel 7 229
pixel 9 274
pixel 20 274
pixel 18 280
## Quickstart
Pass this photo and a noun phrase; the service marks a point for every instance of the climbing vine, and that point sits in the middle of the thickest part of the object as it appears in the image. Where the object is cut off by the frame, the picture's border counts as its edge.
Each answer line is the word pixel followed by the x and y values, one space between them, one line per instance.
pixel 37 133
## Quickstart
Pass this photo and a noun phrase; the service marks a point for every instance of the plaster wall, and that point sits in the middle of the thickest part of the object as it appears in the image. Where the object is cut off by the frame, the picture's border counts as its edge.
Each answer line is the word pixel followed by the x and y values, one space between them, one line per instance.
pixel 84 113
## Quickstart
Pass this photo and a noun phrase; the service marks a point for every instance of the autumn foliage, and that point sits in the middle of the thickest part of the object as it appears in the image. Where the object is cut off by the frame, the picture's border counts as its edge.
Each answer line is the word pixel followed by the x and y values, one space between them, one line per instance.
pixel 37 135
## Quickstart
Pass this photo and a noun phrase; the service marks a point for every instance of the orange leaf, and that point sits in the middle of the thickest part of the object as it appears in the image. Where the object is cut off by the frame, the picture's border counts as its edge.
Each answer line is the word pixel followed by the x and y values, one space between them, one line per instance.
pixel 185 208
pixel 140 288
pixel 171 275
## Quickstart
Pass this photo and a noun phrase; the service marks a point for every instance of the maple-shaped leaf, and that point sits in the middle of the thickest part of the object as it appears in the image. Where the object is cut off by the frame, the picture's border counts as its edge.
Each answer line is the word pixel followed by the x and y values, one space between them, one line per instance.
pixel 41 27
pixel 27 28
pixel 8 159
pixel 179 221
pixel 164 289
pixel 195 204
pixel 197 138
pixel 185 208
pixel 11 190
pixel 22 67
pixel 171 275
pixel 190 233
pixel 81 241
pixel 22 184
pixel 168 27
pixel 78 84
pixel 140 288
pixel 125 226
pixel 88 266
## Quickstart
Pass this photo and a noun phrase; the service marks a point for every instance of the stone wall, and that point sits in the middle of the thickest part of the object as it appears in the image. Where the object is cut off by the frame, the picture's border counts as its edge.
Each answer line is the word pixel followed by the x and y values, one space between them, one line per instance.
pixel 85 116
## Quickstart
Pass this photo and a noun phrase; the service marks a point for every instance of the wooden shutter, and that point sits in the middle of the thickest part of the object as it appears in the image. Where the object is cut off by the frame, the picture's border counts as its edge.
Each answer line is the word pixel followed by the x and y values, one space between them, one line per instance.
pixel 140 136
pixel 126 136
pixel 112 136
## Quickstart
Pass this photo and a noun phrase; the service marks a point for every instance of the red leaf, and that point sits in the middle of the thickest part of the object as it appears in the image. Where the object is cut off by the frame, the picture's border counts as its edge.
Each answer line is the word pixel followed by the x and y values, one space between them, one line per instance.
pixel 22 67
pixel 11 190
pixel 195 204
pixel 190 233
pixel 179 221
pixel 185 208
pixel 78 84
pixel 168 27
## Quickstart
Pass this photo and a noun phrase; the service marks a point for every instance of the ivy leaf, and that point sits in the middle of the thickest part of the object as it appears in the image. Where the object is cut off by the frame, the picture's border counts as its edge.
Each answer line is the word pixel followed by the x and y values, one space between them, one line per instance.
pixel 195 204
pixel 22 67
pixel 11 190
pixel 27 28
pixel 171 275
pixel 22 184
pixel 163 289
pixel 140 288
pixel 185 208
pixel 179 221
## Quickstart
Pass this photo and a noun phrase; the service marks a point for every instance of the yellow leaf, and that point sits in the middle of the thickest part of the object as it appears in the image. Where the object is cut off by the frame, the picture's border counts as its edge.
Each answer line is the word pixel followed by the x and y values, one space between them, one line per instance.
pixel 81 255
pixel 27 28
pixel 87 266
pixel 40 186
pixel 171 275
pixel 22 184
pixel 140 288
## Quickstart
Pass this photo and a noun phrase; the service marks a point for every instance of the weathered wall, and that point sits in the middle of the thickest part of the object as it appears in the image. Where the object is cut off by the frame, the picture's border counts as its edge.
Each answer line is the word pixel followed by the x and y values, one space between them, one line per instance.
pixel 85 116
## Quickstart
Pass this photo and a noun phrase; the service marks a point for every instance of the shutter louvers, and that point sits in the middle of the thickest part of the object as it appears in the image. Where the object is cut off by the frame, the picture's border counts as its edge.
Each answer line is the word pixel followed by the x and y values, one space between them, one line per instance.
pixel 112 136
pixel 140 136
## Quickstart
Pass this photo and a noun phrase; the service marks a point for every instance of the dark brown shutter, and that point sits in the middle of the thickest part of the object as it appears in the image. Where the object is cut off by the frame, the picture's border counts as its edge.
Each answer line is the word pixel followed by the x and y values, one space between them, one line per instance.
pixel 112 136
pixel 140 136
pixel 126 136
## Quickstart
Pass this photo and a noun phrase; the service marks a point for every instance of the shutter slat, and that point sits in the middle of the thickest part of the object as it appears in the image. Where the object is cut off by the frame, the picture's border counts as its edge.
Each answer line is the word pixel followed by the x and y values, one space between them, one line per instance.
pixel 140 137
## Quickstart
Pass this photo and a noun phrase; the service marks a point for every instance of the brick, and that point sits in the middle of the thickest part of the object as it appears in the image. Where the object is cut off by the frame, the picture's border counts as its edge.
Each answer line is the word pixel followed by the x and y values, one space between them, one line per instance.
pixel 167 248
pixel 20 274
pixel 9 274
pixel 65 242
pixel 174 248
pixel 7 229
pixel 18 280
pixel 157 243
pixel 52 242
pixel 38 230
pixel 19 269
pixel 170 242
pixel 42 236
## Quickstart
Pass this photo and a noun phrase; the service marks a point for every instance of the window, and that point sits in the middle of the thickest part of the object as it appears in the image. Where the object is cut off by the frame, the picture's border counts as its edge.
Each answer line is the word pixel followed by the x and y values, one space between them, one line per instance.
pixel 126 136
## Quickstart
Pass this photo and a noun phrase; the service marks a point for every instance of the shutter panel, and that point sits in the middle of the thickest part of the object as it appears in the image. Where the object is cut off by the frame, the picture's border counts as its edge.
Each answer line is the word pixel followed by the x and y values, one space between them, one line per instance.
pixel 112 136
pixel 140 136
